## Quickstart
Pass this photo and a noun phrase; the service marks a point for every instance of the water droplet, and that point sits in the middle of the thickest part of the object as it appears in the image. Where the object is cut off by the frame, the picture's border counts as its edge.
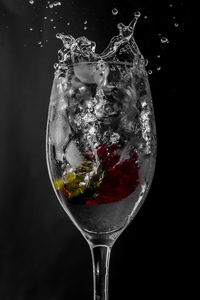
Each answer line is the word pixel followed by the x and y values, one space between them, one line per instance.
pixel 158 56
pixel 56 3
pixel 176 24
pixel 158 68
pixel 39 42
pixel 85 27
pixel 31 2
pixel 145 17
pixel 45 17
pixel 114 11
pixel 164 40
pixel 68 23
pixel 41 30
pixel 51 20
pixel 150 72
pixel 174 18
pixel 54 27
pixel 85 22
pixel 171 5
pixel 31 29
pixel 137 14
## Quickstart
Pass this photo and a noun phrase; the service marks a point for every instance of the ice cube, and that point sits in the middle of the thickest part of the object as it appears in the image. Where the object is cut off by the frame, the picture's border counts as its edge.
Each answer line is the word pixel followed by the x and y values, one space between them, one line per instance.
pixel 73 155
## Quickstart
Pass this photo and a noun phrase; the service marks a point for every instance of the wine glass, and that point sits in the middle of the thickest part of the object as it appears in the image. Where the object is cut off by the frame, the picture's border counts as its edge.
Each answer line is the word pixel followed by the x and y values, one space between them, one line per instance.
pixel 101 152
pixel 101 140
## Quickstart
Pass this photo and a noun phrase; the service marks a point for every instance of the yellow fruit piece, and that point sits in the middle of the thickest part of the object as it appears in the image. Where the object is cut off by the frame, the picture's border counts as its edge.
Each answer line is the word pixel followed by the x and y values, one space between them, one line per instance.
pixel 70 177
pixel 59 184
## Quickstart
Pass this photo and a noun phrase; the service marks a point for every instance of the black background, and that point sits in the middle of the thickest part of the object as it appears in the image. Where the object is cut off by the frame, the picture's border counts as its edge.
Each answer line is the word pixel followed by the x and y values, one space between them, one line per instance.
pixel 42 255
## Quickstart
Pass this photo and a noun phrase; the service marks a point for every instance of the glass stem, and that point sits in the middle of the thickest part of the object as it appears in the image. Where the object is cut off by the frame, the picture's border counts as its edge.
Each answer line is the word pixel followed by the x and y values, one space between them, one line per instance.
pixel 100 260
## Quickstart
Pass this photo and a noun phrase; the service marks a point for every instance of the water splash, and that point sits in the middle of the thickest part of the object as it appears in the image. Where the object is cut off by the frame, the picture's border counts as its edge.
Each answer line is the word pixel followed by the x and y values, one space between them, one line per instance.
pixel 122 48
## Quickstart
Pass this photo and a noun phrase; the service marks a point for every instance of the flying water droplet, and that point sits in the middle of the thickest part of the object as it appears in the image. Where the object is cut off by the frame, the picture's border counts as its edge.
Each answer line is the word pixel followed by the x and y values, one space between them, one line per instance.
pixel 164 40
pixel 114 11
pixel 54 4
pixel 137 14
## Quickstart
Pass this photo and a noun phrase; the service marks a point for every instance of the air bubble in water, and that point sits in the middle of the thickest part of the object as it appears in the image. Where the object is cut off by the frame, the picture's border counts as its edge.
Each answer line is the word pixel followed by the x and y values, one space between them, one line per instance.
pixel 158 68
pixel 114 11
pixel 176 24
pixel 150 72
pixel 164 40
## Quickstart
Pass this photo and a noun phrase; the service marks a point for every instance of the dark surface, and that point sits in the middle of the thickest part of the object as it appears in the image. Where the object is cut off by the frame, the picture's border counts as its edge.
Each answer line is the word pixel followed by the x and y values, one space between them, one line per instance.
pixel 42 254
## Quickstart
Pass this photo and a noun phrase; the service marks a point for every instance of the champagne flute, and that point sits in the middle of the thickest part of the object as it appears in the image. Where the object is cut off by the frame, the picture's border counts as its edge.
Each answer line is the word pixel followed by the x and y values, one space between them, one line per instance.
pixel 101 140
